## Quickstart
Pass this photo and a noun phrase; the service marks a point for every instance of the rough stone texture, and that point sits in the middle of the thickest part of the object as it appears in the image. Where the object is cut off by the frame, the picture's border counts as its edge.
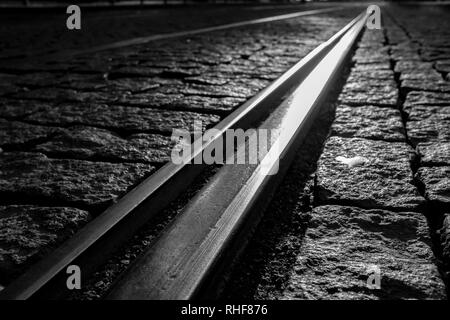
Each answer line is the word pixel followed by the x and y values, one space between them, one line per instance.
pixel 383 181
pixel 93 143
pixel 357 75
pixel 443 66
pixel 365 82
pixel 426 98
pixel 369 122
pixel 60 95
pixel 363 95
pixel 411 66
pixel 384 66
pixel 427 123
pixel 434 153
pixel 445 239
pixel 426 85
pixel 7 85
pixel 28 232
pixel 363 55
pixel 18 133
pixel 424 75
pixel 74 182
pixel 15 109
pixel 437 184
pixel 176 101
pixel 131 119
pixel 342 243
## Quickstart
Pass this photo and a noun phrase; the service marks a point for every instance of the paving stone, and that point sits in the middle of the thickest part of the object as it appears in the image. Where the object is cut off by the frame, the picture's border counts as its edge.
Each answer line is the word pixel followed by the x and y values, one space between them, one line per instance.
pixel 89 143
pixel 8 89
pixel 369 55
pixel 357 75
pixel 70 182
pixel 426 85
pixel 62 80
pixel 15 133
pixel 16 109
pixel 343 244
pixel 437 184
pixel 363 84
pixel 380 176
pixel 384 66
pixel 434 153
pixel 445 238
pixel 29 232
pixel 443 66
pixel 416 75
pixel 428 123
pixel 412 66
pixel 435 54
pixel 368 122
pixel 426 98
pixel 404 54
pixel 138 71
pixel 7 85
pixel 181 102
pixel 382 96
pixel 131 119
pixel 60 95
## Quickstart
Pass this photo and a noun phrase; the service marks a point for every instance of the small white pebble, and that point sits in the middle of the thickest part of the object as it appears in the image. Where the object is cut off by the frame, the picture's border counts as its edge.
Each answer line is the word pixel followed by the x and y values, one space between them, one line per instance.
pixel 352 162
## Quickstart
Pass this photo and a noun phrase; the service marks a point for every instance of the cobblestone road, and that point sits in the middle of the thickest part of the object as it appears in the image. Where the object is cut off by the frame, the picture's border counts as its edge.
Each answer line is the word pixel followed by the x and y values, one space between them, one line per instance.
pixel 25 34
pixel 76 134
pixel 381 191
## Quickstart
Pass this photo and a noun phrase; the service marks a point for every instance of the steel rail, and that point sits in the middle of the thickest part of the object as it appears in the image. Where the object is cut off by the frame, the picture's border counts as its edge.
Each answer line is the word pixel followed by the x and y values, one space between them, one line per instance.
pixel 189 258
pixel 91 245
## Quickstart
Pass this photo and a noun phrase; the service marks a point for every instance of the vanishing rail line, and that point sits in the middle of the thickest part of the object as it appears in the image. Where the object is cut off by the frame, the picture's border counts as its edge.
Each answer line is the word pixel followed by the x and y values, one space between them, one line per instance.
pixel 186 259
pixel 43 56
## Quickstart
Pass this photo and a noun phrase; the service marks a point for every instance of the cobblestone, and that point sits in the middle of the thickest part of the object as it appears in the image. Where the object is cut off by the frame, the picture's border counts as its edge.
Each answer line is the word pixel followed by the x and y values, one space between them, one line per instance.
pixel 383 180
pixel 128 119
pixel 427 105
pixel 381 96
pixel 434 153
pixel 369 122
pixel 85 184
pixel 29 232
pixel 427 123
pixel 16 134
pixel 426 98
pixel 437 184
pixel 89 143
pixel 16 109
pixel 445 239
pixel 342 243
